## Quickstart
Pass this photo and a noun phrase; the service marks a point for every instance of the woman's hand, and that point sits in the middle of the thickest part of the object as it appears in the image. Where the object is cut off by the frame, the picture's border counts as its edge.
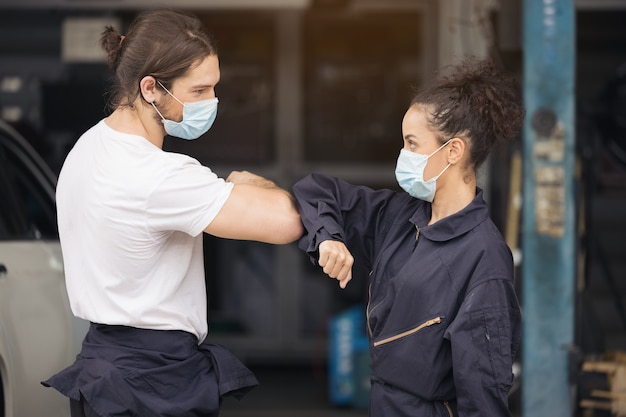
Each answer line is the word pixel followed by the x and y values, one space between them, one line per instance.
pixel 336 261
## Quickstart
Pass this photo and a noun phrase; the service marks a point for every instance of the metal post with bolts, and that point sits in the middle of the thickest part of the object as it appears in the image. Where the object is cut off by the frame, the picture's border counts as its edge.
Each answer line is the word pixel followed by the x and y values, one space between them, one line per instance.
pixel 549 207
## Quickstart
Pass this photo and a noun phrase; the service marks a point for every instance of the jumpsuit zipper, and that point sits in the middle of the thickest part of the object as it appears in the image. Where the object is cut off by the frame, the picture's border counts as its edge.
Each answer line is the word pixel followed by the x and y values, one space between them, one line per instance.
pixel 436 320
pixel 368 311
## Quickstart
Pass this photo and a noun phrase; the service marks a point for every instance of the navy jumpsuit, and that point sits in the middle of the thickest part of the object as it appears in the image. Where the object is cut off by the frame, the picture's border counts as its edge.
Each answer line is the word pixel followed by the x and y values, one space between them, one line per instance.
pixel 443 316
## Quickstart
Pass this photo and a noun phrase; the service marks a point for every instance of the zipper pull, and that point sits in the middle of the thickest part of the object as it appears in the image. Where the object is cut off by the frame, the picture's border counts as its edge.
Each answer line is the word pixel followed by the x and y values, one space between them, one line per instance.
pixel 417 235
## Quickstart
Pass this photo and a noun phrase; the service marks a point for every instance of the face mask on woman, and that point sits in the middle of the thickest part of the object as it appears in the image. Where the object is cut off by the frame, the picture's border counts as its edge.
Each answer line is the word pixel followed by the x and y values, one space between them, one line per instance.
pixel 410 174
pixel 198 117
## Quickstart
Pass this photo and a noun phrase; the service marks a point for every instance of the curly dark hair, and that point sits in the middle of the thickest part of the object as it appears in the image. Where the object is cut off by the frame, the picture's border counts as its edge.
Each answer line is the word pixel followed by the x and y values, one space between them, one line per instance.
pixel 475 101
pixel 162 43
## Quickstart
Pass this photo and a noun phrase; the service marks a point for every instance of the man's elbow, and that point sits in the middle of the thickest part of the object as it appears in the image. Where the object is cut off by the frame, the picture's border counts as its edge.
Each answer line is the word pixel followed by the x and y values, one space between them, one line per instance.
pixel 291 228
pixel 291 231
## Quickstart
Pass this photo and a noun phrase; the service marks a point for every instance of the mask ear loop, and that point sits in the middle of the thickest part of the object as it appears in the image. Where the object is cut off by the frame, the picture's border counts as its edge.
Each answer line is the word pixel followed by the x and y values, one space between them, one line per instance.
pixel 157 110
pixel 436 177
pixel 434 152
pixel 168 92
pixel 441 173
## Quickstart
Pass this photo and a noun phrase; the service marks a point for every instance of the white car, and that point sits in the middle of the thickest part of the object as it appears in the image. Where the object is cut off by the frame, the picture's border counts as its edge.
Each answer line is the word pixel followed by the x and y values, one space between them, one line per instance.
pixel 38 334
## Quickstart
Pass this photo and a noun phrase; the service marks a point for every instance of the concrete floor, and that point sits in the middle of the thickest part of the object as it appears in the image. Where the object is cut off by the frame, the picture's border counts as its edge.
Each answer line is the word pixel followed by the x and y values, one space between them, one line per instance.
pixel 287 392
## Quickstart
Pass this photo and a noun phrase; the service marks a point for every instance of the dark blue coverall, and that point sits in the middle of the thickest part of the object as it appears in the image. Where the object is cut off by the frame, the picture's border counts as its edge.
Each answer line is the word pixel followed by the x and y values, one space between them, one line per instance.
pixel 443 317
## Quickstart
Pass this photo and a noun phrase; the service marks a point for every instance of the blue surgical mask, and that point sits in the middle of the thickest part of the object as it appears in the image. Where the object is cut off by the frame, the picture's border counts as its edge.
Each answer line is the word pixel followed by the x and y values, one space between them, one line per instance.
pixel 198 117
pixel 410 174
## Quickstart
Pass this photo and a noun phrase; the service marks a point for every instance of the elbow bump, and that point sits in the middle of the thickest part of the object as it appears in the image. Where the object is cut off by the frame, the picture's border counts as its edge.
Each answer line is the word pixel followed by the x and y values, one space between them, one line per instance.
pixel 294 231
pixel 290 231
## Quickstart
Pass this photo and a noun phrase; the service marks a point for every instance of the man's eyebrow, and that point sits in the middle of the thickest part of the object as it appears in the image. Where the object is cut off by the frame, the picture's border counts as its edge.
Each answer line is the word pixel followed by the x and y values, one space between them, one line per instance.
pixel 196 86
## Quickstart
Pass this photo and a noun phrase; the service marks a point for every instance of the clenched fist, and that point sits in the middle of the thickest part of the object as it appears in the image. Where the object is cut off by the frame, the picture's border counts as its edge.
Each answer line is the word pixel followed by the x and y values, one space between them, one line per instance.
pixel 336 261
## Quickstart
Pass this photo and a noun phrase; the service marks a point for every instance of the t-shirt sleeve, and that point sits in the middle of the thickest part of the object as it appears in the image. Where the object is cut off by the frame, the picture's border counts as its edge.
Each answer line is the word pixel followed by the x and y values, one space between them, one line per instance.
pixel 187 198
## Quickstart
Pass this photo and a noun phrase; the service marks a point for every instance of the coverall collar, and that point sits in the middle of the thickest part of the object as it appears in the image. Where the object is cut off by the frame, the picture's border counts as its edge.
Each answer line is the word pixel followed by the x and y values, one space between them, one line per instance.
pixel 452 226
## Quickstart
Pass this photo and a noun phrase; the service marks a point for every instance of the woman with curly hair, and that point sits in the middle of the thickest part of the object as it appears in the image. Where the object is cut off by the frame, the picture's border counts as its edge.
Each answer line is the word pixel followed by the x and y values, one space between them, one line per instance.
pixel 442 316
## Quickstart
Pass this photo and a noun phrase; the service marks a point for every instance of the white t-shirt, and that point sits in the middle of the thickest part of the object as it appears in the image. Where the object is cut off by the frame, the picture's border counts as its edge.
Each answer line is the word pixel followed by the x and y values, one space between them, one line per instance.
pixel 131 218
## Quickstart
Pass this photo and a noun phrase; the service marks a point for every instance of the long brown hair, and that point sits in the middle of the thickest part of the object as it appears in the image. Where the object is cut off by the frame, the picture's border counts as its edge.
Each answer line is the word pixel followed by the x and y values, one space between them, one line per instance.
pixel 162 43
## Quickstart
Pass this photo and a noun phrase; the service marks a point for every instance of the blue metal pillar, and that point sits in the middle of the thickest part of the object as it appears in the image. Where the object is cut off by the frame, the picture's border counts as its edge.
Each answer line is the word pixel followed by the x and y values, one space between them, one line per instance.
pixel 549 227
